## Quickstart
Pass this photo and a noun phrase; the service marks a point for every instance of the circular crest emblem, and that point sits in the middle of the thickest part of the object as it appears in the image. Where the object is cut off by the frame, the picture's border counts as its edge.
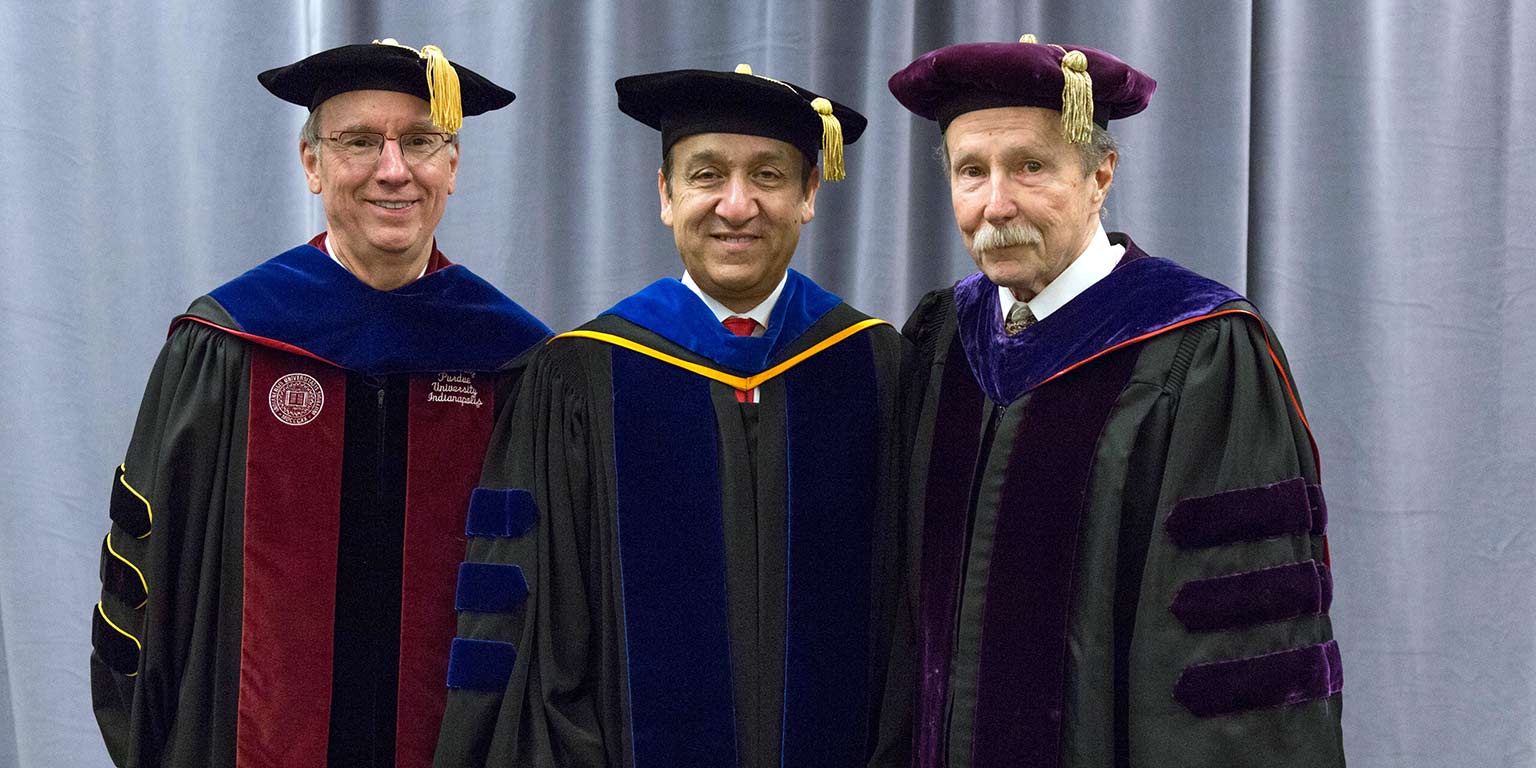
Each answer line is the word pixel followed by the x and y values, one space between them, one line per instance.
pixel 296 399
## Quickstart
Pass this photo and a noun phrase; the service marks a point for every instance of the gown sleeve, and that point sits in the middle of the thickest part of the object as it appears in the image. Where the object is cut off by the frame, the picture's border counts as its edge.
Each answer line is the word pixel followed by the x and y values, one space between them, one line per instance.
pixel 523 669
pixel 161 559
pixel 1232 661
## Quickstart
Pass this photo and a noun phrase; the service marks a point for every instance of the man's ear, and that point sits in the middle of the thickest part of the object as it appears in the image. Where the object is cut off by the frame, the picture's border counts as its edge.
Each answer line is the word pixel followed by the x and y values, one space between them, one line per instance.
pixel 808 205
pixel 666 199
pixel 1103 177
pixel 309 157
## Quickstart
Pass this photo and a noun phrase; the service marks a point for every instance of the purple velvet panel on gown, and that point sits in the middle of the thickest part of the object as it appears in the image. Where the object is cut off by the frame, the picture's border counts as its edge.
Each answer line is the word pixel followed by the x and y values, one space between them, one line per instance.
pixel 1022 664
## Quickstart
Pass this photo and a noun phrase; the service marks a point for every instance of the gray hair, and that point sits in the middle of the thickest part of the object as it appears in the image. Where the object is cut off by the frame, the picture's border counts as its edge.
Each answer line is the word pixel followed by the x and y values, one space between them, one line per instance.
pixel 310 133
pixel 1092 154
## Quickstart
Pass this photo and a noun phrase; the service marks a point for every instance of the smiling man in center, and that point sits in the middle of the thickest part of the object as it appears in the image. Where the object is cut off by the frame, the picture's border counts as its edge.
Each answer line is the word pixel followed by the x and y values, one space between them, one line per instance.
pixel 688 544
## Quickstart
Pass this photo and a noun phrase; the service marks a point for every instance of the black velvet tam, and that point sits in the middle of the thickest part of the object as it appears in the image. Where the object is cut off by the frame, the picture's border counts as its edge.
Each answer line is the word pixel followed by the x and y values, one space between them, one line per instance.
pixel 684 102
pixel 375 67
pixel 946 83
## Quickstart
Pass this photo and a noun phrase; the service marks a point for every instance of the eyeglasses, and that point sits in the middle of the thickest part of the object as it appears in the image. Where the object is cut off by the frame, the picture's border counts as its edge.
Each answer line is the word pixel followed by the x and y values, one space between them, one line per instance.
pixel 367 146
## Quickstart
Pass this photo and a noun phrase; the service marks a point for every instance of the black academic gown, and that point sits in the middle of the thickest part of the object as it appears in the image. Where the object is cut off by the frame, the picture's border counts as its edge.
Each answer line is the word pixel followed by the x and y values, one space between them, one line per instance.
pixel 288 518
pixel 1123 561
pixel 663 576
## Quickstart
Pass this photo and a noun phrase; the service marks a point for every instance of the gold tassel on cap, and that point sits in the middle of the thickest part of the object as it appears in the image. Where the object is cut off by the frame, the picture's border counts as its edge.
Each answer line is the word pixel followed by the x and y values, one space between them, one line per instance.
pixel 831 130
pixel 442 85
pixel 1076 94
pixel 831 141
pixel 1076 98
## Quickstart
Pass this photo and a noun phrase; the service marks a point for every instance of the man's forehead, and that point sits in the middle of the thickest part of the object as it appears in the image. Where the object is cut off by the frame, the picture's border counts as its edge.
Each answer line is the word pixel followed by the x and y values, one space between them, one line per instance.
pixel 374 106
pixel 1006 126
pixel 732 146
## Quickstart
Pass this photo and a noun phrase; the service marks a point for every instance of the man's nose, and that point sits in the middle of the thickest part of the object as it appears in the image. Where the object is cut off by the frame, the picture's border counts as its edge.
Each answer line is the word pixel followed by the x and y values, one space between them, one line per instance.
pixel 738 203
pixel 392 167
pixel 1000 207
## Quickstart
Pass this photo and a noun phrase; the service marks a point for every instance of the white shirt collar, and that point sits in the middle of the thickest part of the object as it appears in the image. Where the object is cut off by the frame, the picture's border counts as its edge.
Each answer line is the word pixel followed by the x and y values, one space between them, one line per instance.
pixel 326 246
pixel 760 313
pixel 1094 264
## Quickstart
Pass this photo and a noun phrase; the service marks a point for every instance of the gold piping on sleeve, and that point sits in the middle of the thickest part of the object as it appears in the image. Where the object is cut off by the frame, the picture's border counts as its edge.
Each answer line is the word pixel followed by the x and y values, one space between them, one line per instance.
pixel 121 631
pixel 135 568
pixel 123 478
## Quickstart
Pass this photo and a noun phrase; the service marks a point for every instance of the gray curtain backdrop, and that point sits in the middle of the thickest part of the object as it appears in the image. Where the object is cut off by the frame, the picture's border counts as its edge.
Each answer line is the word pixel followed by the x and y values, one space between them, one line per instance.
pixel 1363 171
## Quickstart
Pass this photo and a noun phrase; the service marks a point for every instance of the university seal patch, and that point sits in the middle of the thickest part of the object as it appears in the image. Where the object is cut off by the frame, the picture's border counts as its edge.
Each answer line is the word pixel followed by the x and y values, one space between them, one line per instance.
pixel 296 399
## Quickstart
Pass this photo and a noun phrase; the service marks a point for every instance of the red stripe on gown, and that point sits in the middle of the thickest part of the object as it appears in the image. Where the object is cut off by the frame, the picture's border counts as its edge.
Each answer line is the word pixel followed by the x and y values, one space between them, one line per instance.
pixel 292 520
pixel 448 432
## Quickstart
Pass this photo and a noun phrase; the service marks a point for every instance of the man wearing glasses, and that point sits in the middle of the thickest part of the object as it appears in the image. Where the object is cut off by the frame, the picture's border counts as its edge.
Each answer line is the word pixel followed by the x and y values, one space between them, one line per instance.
pixel 277 584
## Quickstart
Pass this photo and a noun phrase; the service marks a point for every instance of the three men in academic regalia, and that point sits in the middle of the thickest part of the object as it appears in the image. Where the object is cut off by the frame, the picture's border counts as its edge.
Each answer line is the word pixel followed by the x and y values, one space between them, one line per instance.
pixel 687 547
pixel 277 584
pixel 688 544
pixel 1123 560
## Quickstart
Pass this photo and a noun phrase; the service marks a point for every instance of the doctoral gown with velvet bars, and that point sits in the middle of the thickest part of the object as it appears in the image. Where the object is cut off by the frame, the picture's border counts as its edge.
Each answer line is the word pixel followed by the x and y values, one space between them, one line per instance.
pixel 659 575
pixel 288 519
pixel 1123 560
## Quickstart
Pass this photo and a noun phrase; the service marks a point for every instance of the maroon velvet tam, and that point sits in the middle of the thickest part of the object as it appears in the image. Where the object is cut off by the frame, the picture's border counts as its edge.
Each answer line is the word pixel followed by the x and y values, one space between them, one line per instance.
pixel 944 84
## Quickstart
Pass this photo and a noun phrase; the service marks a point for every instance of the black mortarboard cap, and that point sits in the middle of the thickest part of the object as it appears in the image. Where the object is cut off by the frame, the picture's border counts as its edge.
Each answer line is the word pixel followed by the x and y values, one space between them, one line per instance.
pixel 684 102
pixel 453 90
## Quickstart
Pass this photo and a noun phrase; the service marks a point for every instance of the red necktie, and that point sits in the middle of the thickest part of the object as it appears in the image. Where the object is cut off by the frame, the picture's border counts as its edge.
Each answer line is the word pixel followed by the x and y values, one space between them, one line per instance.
pixel 741 326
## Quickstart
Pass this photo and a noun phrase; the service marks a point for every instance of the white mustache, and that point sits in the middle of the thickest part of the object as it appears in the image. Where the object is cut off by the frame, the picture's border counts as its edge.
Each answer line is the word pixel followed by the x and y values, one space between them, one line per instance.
pixel 1013 233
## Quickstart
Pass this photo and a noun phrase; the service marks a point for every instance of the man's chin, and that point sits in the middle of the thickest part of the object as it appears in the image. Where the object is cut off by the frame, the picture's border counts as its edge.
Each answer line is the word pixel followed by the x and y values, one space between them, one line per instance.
pixel 737 267
pixel 736 284
pixel 728 257
pixel 1005 275
pixel 391 250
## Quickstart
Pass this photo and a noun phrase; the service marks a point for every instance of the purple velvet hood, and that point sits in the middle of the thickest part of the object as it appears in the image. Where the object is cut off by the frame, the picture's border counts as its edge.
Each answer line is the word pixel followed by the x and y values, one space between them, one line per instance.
pixel 1142 296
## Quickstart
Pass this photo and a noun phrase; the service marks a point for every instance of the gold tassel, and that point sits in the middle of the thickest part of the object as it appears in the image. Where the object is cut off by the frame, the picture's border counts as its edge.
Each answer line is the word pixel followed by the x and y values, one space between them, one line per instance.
pixel 831 130
pixel 443 85
pixel 1028 39
pixel 831 141
pixel 1076 98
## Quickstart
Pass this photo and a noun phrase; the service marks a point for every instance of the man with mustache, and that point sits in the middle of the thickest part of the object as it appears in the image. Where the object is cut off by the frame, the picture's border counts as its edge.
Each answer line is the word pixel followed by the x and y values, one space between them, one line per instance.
pixel 1123 560
pixel 277 583
pixel 687 547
